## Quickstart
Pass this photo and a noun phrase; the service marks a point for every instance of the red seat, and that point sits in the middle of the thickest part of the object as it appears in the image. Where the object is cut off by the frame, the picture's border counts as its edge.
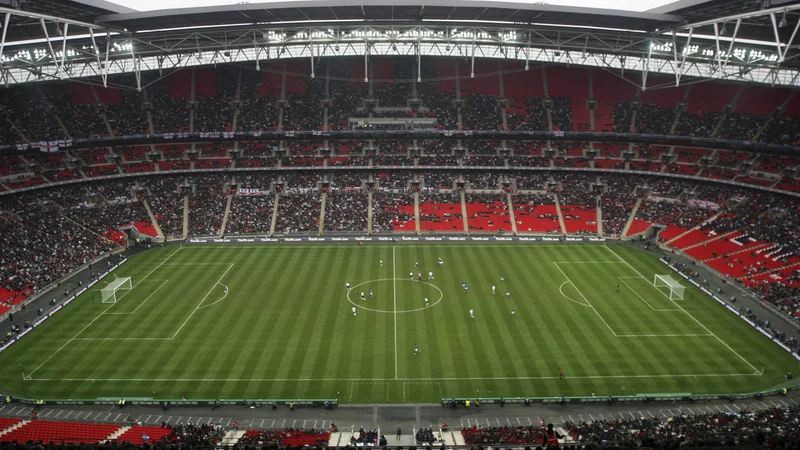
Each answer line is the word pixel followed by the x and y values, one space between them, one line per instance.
pixel 69 432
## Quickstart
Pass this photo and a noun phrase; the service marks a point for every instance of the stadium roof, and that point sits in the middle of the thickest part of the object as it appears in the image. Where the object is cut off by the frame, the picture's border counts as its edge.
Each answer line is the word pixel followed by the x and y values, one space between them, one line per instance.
pixel 728 39
pixel 404 11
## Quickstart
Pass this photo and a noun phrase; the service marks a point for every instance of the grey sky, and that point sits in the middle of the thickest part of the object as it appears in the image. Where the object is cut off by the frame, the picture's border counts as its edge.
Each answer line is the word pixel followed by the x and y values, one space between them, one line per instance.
pixel 631 5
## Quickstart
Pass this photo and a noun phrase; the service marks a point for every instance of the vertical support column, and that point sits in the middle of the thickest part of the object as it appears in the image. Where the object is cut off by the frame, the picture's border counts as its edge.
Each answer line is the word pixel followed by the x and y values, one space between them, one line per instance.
pixel 274 220
pixel 185 216
pixel 464 212
pixel 369 212
pixel 416 213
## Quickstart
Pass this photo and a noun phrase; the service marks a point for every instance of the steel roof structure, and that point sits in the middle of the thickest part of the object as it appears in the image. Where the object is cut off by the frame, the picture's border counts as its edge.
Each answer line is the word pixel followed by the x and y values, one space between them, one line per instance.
pixel 739 40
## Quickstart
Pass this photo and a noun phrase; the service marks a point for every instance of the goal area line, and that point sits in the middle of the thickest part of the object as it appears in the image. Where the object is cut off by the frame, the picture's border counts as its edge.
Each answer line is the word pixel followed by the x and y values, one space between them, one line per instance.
pixel 677 308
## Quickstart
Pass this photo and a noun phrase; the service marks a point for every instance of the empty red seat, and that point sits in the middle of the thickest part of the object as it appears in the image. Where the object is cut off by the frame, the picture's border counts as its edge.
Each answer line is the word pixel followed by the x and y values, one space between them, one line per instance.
pixel 68 432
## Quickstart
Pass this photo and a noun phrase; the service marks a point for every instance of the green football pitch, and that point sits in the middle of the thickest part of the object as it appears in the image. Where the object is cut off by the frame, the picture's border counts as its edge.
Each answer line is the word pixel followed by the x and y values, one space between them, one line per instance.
pixel 285 329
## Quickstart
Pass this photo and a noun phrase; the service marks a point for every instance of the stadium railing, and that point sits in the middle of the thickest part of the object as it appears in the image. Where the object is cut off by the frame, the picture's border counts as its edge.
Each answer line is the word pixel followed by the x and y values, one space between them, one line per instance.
pixel 139 401
pixel 64 303
pixel 727 306
pixel 639 398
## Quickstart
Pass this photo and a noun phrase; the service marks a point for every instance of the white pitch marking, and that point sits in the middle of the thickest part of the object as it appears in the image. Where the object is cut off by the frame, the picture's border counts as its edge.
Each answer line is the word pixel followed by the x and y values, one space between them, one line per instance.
pixel 561 290
pixel 140 305
pixel 394 309
pixel 690 316
pixel 588 262
pixel 214 303
pixel 201 301
pixel 662 335
pixel 642 298
pixel 585 377
pixel 99 315
pixel 586 300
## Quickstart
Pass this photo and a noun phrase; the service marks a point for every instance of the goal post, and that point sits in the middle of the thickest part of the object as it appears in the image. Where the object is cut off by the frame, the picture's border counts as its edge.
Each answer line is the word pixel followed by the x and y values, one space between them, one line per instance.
pixel 109 293
pixel 670 286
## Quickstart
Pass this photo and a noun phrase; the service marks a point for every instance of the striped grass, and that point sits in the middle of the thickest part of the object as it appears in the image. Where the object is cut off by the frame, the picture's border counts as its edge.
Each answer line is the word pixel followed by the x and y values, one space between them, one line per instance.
pixel 286 330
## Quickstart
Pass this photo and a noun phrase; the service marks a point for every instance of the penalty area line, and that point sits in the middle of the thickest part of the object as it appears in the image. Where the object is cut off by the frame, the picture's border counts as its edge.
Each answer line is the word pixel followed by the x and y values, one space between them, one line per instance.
pixel 196 308
pixel 687 313
pixel 101 314
pixel 221 299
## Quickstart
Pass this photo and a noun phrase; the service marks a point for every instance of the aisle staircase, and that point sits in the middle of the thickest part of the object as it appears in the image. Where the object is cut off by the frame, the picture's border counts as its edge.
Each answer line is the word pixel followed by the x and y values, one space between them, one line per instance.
pixel 631 218
pixel 464 212
pixel 14 427
pixel 561 222
pixel 232 437
pixel 706 241
pixel 511 215
pixel 153 220
pixel 274 220
pixel 185 216
pixel 696 227
pixel 115 435
pixel 599 209
pixel 322 213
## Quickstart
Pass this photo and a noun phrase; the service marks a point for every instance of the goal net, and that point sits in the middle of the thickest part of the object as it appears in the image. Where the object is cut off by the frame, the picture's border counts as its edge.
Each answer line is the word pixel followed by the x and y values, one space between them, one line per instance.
pixel 669 286
pixel 109 292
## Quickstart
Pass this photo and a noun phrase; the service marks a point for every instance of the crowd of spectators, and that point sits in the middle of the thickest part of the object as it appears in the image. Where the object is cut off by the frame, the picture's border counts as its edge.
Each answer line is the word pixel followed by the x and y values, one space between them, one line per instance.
pixel 105 219
pixel 533 181
pixel 425 436
pixel 669 213
pixel 775 427
pixel 740 126
pixel 369 437
pixel 80 119
pixel 169 113
pixel 616 207
pixel 207 202
pixel 390 209
pixel 525 435
pixel 485 180
pixel 653 119
pixel 345 179
pixel 250 214
pixel 42 247
pixel 287 438
pixel 167 201
pixel 298 213
pixel 302 180
pixel 192 435
pixel 394 179
pixel 128 115
pixel 302 101
pixel 346 211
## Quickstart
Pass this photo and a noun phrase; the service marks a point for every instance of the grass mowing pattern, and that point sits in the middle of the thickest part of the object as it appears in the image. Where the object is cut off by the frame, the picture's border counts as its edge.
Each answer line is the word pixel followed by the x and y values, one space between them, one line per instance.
pixel 285 329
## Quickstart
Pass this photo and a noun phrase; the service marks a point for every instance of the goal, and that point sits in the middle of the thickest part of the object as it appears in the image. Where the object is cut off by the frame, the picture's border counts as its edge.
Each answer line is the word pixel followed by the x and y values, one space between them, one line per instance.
pixel 119 284
pixel 670 286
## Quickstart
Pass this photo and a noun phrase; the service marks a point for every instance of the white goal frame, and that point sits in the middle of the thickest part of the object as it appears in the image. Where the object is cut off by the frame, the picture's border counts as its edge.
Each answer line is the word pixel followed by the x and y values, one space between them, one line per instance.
pixel 676 289
pixel 109 293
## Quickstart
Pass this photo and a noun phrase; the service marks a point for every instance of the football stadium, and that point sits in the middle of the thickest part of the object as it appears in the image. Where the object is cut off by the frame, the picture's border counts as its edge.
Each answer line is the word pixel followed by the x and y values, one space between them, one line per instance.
pixel 476 224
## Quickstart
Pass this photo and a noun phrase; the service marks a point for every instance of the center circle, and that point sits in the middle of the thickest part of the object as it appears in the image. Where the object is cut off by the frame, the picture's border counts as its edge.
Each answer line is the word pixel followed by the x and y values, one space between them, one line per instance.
pixel 359 304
